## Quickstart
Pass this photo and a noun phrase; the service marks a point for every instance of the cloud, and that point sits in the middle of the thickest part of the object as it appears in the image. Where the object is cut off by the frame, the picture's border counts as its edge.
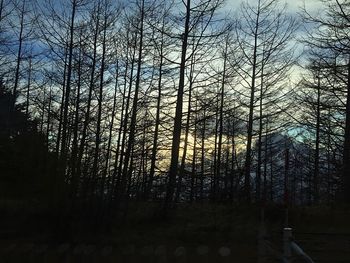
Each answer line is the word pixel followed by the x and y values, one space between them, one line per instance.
pixel 309 4
pixel 293 5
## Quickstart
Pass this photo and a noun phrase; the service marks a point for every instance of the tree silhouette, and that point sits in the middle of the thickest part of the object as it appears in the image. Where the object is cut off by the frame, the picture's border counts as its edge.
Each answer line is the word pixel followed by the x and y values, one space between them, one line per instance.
pixel 23 151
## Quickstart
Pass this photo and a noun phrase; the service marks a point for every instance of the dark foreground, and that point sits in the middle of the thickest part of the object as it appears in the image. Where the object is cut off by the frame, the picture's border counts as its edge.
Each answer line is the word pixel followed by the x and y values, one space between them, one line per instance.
pixel 192 233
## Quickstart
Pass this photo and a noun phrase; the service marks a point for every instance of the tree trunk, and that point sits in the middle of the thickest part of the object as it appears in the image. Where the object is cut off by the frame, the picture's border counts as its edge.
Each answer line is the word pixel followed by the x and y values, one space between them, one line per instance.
pixel 317 143
pixel 88 107
pixel 248 158
pixel 74 179
pixel 346 154
pixel 110 132
pixel 178 116
pixel 127 171
pixel 157 121
pixel 19 55
pixel 258 171
pixel 187 128
pixel 28 85
pixel 65 126
pixel 222 94
pixel 193 169
pixel 99 111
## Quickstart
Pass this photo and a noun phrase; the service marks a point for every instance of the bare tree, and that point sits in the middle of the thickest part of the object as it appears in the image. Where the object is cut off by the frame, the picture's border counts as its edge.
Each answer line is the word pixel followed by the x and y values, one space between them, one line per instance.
pixel 331 36
pixel 263 34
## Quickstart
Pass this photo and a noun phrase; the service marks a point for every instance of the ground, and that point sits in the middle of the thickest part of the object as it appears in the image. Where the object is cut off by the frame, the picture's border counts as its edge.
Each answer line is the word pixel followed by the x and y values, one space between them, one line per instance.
pixel 192 233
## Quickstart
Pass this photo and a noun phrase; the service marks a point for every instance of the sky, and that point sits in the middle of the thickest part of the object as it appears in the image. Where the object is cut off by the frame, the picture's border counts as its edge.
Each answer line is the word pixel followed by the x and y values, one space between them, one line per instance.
pixel 294 5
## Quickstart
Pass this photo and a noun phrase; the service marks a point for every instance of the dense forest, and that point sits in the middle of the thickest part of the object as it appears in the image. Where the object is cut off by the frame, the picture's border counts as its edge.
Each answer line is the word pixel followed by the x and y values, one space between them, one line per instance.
pixel 108 104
